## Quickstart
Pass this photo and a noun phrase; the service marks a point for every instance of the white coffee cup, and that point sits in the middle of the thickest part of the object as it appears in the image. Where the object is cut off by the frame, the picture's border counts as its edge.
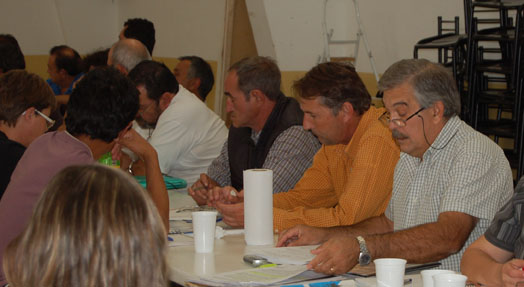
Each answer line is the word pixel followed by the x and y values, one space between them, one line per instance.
pixel 390 272
pixel 449 280
pixel 427 275
pixel 204 223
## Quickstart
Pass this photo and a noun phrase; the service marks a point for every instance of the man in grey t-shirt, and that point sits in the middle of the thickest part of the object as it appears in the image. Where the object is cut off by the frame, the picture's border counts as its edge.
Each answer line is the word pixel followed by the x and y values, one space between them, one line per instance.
pixel 497 257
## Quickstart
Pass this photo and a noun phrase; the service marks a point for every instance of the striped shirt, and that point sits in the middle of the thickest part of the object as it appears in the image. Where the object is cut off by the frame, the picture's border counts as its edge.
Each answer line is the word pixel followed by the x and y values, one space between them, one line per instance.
pixel 506 228
pixel 463 171
pixel 290 155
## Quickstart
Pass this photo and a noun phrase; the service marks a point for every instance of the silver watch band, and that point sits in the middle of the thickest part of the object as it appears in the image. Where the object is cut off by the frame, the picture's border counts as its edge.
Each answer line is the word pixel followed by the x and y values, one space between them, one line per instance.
pixel 362 244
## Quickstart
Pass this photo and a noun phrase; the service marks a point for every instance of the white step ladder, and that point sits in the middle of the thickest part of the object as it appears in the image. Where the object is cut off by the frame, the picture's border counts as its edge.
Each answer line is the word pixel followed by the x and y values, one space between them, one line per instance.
pixel 326 57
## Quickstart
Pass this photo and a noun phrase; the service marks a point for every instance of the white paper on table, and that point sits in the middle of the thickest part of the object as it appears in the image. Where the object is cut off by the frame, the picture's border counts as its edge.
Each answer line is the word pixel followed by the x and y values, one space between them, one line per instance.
pixel 258 206
pixel 180 240
pixel 179 243
pixel 254 276
pixel 296 255
pixel 184 213
pixel 176 214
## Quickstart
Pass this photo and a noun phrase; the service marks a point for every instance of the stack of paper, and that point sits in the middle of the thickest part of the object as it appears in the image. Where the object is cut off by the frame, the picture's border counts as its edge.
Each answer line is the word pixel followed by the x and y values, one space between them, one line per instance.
pixel 299 255
pixel 259 276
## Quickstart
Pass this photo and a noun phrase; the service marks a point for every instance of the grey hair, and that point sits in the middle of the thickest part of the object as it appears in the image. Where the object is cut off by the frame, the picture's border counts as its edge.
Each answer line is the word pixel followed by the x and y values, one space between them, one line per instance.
pixel 258 73
pixel 129 53
pixel 431 83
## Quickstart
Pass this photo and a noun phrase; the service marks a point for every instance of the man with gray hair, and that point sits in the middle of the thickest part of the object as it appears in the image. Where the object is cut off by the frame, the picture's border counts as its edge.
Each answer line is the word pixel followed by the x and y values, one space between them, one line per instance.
pixel 448 184
pixel 266 132
pixel 125 54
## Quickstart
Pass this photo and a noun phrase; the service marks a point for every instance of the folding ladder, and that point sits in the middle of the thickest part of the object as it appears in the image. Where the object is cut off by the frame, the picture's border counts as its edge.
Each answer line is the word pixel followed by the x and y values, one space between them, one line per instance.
pixel 328 42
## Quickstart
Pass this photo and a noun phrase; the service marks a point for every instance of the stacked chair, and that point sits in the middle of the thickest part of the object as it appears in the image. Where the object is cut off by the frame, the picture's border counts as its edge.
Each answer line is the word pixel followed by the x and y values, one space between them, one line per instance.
pixel 494 98
pixel 486 64
pixel 450 46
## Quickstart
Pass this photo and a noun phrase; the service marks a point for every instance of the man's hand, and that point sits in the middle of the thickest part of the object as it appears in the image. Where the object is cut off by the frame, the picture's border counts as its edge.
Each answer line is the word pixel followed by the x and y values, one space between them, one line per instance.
pixel 337 256
pixel 227 194
pixel 302 235
pixel 512 272
pixel 232 214
pixel 200 190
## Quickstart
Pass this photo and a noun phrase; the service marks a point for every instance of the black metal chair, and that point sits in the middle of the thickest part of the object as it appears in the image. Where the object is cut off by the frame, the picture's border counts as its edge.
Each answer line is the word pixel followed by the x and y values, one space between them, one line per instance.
pixel 451 49
pixel 495 82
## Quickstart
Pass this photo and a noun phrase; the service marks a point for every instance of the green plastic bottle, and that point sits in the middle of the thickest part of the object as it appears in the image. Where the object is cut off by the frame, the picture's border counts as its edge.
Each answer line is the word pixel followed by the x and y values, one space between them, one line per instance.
pixel 107 159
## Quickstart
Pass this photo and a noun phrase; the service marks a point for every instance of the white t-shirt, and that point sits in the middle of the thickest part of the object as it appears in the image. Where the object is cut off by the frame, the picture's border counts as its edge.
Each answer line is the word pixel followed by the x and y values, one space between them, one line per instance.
pixel 188 137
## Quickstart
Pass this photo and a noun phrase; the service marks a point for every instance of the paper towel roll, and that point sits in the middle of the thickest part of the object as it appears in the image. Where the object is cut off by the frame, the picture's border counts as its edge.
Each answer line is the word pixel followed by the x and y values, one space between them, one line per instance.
pixel 258 206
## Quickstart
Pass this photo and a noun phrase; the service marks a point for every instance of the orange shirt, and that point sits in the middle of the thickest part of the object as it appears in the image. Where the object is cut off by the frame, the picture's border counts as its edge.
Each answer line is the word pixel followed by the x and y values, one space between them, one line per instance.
pixel 346 184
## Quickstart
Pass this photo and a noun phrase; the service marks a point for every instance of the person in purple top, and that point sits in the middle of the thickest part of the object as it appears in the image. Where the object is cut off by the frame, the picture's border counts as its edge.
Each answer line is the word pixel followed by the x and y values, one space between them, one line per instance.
pixel 99 116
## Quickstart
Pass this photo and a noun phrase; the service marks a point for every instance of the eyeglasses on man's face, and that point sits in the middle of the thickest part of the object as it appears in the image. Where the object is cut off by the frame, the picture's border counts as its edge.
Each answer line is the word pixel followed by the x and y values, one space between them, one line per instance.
pixel 48 120
pixel 385 118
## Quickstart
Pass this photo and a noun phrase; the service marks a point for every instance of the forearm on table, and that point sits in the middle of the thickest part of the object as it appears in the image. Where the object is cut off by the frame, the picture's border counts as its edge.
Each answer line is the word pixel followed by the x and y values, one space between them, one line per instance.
pixel 423 243
pixel 481 268
pixel 483 262
pixel 374 225
pixel 156 186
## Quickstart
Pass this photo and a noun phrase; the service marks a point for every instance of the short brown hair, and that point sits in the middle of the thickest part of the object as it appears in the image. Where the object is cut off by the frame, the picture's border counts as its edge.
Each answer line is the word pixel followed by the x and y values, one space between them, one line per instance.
pixel 20 90
pixel 335 83
pixel 93 226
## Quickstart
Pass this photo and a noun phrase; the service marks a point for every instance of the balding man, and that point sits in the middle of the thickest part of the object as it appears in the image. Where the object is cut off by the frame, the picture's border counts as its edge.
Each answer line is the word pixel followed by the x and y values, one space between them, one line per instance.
pixel 126 54
pixel 64 68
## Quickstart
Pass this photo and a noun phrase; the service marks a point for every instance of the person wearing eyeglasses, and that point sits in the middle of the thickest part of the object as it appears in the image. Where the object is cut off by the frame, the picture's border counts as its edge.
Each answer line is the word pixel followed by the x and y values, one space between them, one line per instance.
pixel 25 104
pixel 99 116
pixel 448 184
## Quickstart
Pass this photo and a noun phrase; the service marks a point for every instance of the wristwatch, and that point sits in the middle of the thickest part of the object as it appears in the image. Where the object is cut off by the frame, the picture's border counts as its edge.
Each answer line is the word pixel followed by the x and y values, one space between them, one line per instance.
pixel 364 257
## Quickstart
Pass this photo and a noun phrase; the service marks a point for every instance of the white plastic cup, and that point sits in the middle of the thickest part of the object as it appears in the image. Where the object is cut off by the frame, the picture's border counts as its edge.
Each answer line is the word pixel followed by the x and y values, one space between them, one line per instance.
pixel 204 223
pixel 204 264
pixel 427 275
pixel 390 272
pixel 449 280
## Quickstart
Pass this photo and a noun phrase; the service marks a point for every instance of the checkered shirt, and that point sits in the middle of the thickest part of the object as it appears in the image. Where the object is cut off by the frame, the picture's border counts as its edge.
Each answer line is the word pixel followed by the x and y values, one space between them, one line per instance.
pixel 464 171
pixel 290 155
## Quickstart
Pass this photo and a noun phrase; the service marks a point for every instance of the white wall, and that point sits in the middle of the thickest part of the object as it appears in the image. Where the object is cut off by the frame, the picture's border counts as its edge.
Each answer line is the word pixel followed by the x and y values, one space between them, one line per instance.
pixel 182 27
pixel 39 25
pixel 392 28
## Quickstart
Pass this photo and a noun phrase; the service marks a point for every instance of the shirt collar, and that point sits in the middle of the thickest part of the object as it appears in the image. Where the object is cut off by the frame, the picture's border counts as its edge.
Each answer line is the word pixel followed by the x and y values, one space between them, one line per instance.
pixel 255 136
pixel 367 119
